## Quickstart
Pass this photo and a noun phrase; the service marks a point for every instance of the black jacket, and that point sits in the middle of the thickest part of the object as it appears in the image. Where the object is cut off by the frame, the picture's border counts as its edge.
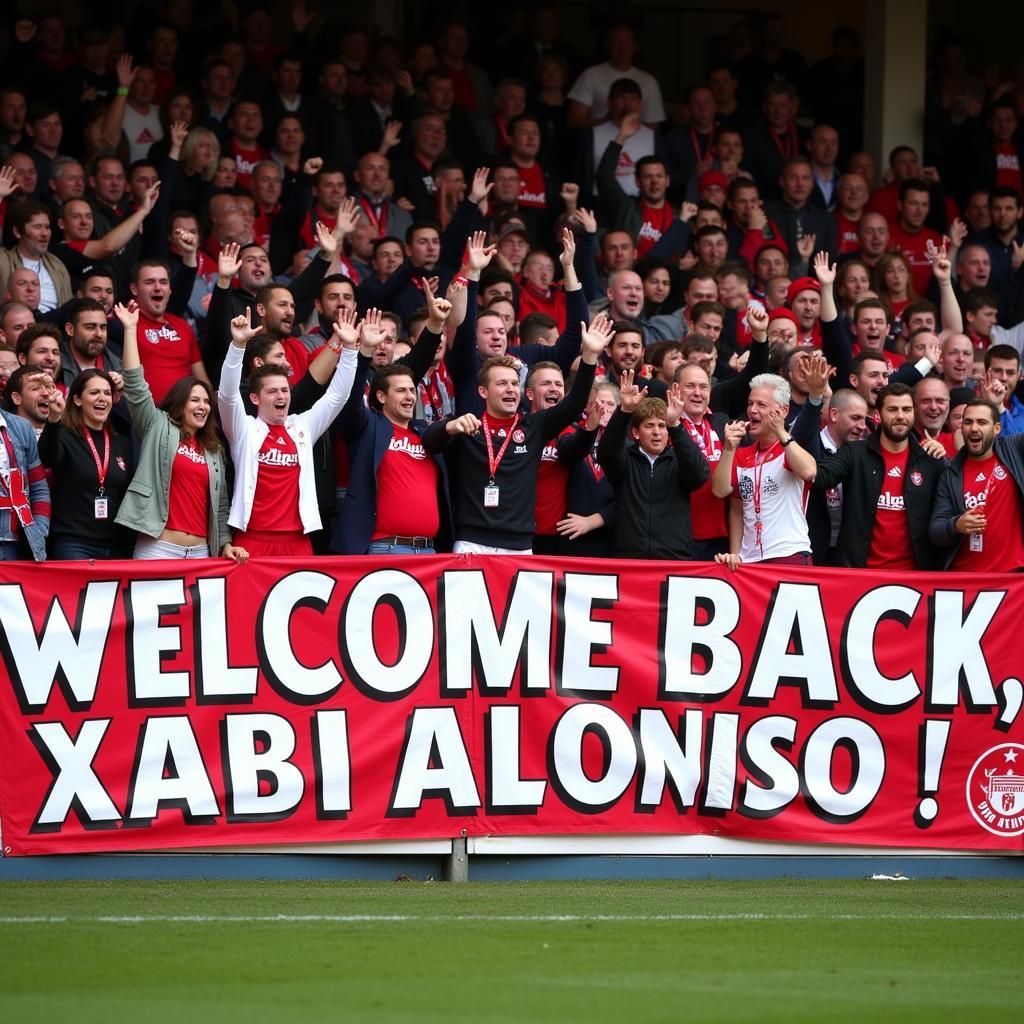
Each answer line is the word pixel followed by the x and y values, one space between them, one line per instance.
pixel 949 496
pixel 652 500
pixel 860 468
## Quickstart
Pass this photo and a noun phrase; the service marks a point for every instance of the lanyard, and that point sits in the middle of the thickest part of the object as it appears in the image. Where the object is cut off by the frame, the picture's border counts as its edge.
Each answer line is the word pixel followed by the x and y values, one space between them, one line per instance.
pixel 786 142
pixel 101 468
pixel 378 220
pixel 699 151
pixel 493 462
pixel 759 461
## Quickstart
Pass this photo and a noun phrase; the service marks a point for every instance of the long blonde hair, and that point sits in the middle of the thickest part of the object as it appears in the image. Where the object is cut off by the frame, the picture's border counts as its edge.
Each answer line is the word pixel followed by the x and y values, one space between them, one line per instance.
pixel 189 145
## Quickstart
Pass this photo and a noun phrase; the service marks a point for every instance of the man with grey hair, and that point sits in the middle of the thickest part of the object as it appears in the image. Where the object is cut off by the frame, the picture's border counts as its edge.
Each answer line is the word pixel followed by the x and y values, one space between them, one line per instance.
pixel 66 180
pixel 765 481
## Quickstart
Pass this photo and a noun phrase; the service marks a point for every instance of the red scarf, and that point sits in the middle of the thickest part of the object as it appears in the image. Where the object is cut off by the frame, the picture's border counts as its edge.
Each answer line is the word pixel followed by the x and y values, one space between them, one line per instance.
pixel 21 512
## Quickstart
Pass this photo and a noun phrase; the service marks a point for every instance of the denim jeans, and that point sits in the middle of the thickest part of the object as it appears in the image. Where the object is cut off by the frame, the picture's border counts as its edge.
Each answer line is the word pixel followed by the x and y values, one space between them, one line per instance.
pixel 378 547
pixel 81 550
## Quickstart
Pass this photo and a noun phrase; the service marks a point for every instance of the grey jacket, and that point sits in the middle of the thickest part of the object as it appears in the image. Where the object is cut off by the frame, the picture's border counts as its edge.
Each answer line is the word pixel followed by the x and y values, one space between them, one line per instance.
pixel 146 502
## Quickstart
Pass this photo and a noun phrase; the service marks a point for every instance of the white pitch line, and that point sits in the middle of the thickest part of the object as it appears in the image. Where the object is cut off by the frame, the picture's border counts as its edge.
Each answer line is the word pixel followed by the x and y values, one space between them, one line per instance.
pixel 508 918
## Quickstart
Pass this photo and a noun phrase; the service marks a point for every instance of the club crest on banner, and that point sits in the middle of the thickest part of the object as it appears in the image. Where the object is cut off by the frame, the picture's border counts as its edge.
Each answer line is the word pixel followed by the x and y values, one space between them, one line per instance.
pixel 995 790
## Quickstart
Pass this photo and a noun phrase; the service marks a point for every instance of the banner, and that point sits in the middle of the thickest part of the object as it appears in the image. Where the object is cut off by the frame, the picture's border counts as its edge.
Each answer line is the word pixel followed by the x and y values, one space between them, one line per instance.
pixel 149 705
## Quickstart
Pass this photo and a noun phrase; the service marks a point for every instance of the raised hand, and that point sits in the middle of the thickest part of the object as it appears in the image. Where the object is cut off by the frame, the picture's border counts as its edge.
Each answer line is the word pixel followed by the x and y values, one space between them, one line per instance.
pixel 125 71
pixel 757 321
pixel 824 271
pixel 228 263
pixel 127 314
pixel 481 187
pixel 629 127
pixel 735 431
pixel 116 383
pixel 187 240
pixel 568 253
pixel 371 334
pixel 326 239
pixel 674 402
pixel 933 351
pixel 630 393
pixel 242 330
pixel 805 246
pixel 597 336
pixel 150 198
pixel 348 217
pixel 942 268
pixel 687 211
pixel 7 182
pixel 818 371
pixel 993 389
pixel 480 253
pixel 585 219
pixel 55 403
pixel 438 310
pixel 312 165
pixel 391 136
pixel 957 233
pixel 757 220
pixel 179 133
pixel 345 328
pixel 592 416
pixel 570 195
pixel 467 423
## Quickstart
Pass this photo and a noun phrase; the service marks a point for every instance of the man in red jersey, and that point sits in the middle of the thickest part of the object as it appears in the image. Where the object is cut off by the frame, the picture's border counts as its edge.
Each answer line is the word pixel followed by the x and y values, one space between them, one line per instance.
pixel 978 515
pixel 167 345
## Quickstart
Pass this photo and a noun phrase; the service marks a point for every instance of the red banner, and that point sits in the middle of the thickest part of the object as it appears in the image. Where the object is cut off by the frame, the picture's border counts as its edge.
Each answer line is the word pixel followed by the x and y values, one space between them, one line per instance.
pixel 151 705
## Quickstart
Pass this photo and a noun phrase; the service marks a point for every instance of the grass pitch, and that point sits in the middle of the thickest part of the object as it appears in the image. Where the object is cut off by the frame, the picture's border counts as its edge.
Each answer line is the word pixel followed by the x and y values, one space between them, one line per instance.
pixel 785 951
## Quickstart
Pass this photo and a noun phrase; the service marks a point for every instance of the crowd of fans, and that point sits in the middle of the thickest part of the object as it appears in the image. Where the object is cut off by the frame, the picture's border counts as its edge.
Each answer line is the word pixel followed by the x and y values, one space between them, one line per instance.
pixel 353 298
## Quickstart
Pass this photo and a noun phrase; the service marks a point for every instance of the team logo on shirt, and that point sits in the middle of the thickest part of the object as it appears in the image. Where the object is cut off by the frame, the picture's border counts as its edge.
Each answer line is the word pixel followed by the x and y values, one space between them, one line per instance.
pixel 518 436
pixel 890 502
pixel 746 488
pixel 549 454
pixel 407 447
pixel 980 478
pixel 164 333
pixel 191 453
pixel 895 472
pixel 916 479
pixel 999 473
pixel 278 458
pixel 995 790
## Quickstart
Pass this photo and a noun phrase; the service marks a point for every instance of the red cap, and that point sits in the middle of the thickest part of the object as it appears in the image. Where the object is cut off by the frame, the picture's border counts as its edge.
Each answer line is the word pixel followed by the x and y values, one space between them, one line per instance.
pixel 712 178
pixel 781 313
pixel 802 284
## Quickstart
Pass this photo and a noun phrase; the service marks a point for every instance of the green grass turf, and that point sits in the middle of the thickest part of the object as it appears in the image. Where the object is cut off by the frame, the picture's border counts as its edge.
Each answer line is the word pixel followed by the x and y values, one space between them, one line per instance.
pixel 898 954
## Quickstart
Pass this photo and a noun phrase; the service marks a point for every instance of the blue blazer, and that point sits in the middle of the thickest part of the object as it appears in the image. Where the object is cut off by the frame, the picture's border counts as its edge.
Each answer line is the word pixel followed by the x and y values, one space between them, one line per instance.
pixel 368 434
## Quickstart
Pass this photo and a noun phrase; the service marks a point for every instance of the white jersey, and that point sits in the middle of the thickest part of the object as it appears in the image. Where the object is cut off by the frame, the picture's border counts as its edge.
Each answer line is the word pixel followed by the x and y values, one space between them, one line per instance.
pixel 774 504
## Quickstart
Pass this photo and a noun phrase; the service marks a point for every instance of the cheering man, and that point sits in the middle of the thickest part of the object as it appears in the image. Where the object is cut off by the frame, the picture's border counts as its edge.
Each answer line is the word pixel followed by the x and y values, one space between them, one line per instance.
pixel 979 497
pixel 767 481
pixel 494 458
pixel 889 486
pixel 274 504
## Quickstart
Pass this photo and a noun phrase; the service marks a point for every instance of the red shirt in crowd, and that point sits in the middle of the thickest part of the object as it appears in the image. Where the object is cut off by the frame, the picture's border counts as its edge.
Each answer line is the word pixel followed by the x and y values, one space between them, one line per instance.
pixel 989 487
pixel 533 301
pixel 890 539
pixel 167 350
pixel 655 224
pixel 247 159
pixel 406 488
pixel 1008 166
pixel 275 505
pixel 533 190
pixel 189 495
pixel 552 488
pixel 847 231
pixel 915 250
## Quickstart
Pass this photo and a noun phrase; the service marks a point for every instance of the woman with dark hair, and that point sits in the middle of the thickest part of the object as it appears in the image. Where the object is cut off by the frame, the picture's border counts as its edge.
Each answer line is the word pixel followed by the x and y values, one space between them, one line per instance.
pixel 91 467
pixel 177 501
